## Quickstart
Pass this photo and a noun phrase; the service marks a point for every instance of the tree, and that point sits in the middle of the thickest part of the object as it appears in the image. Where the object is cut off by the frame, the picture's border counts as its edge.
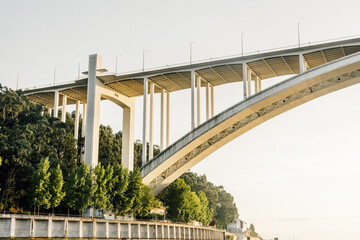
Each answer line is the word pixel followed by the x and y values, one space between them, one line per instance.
pixel 41 185
pixel 56 187
pixel 79 188
pixel 101 195
pixel 146 201
pixel 183 205
pixel 206 213
pixel 118 197
pixel 132 193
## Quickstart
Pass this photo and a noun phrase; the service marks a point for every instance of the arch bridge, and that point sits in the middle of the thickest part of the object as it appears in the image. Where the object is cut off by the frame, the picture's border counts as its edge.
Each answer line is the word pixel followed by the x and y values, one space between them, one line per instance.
pixel 317 69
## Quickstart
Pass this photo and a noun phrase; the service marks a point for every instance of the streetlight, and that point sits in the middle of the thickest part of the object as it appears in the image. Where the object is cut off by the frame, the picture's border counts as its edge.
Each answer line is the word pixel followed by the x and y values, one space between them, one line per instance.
pixel 116 63
pixel 55 73
pixel 143 68
pixel 191 43
pixel 242 44
pixel 17 80
pixel 298 26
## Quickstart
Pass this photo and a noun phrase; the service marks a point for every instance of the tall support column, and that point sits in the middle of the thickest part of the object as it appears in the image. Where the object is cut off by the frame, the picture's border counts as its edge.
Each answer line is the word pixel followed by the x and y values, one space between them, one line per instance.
pixel 207 101
pixel 256 84
pixel 56 104
pixel 198 100
pixel 144 121
pixel 93 112
pixel 167 119
pixel 77 118
pixel 212 101
pixel 49 111
pixel 63 111
pixel 192 100
pixel 162 120
pixel 259 83
pixel 245 73
pixel 249 81
pixel 83 122
pixel 127 147
pixel 151 128
pixel 83 128
pixel 302 63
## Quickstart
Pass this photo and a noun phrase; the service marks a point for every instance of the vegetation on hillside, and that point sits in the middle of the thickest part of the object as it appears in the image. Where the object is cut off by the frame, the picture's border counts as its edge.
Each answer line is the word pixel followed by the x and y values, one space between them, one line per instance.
pixel 40 167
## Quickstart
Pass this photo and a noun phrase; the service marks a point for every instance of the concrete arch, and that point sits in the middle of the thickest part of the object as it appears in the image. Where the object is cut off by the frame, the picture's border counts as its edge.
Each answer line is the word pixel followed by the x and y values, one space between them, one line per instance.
pixel 245 115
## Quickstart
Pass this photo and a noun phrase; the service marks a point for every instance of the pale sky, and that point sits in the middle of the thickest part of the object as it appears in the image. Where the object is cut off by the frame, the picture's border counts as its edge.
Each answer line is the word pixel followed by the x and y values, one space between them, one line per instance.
pixel 296 176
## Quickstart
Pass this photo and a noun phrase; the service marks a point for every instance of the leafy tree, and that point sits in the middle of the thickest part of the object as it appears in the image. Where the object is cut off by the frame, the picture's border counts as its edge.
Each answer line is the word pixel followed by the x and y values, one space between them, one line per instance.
pixel 206 213
pixel 146 201
pixel 101 196
pixel 79 188
pixel 133 191
pixel 41 185
pixel 118 198
pixel 56 187
pixel 183 205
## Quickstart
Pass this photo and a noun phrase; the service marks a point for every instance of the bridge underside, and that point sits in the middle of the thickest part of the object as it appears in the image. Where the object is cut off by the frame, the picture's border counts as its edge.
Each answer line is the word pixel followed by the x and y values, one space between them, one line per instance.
pixel 240 118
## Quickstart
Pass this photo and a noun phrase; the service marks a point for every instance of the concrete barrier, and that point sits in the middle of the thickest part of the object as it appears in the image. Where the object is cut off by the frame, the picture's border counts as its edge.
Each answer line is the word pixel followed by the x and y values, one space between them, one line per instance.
pixel 26 226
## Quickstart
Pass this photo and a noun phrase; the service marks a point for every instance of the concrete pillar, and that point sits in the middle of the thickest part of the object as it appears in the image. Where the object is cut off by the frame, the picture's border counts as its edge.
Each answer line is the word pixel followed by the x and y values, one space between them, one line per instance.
pixel 256 84
pixel 49 228
pixel 162 120
pixel 198 84
pixel 245 73
pixel 249 81
pixel 259 84
pixel 147 231
pixel 80 229
pixel 12 227
pixel 212 101
pixel 77 118
pixel 49 111
pixel 302 63
pixel 129 231
pixel 139 231
pixel 56 103
pixel 151 128
pixel 167 119
pixel 127 147
pixel 156 232
pixel 83 127
pixel 207 101
pixel 192 100
pixel 63 111
pixel 118 230
pixel 93 112
pixel 144 121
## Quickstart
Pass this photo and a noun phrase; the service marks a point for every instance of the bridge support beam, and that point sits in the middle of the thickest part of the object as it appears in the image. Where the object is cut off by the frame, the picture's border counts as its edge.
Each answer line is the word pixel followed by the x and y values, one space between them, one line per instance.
pixel 207 101
pixel 212 101
pixel 144 121
pixel 127 146
pixel 244 78
pixel 162 120
pixel 167 119
pixel 77 118
pixel 96 91
pixel 249 81
pixel 198 85
pixel 192 99
pixel 56 103
pixel 151 128
pixel 93 112
pixel 83 126
pixel 302 63
pixel 63 111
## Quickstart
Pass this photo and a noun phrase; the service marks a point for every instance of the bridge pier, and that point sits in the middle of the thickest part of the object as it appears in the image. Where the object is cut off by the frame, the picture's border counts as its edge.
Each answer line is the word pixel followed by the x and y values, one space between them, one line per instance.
pixel 95 92
pixel 63 110
pixel 56 104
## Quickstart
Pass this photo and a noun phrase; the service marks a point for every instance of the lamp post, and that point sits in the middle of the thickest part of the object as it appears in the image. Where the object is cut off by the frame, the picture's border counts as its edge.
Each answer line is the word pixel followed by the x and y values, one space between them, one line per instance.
pixel 191 43
pixel 17 80
pixel 298 27
pixel 242 44
pixel 116 63
pixel 143 68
